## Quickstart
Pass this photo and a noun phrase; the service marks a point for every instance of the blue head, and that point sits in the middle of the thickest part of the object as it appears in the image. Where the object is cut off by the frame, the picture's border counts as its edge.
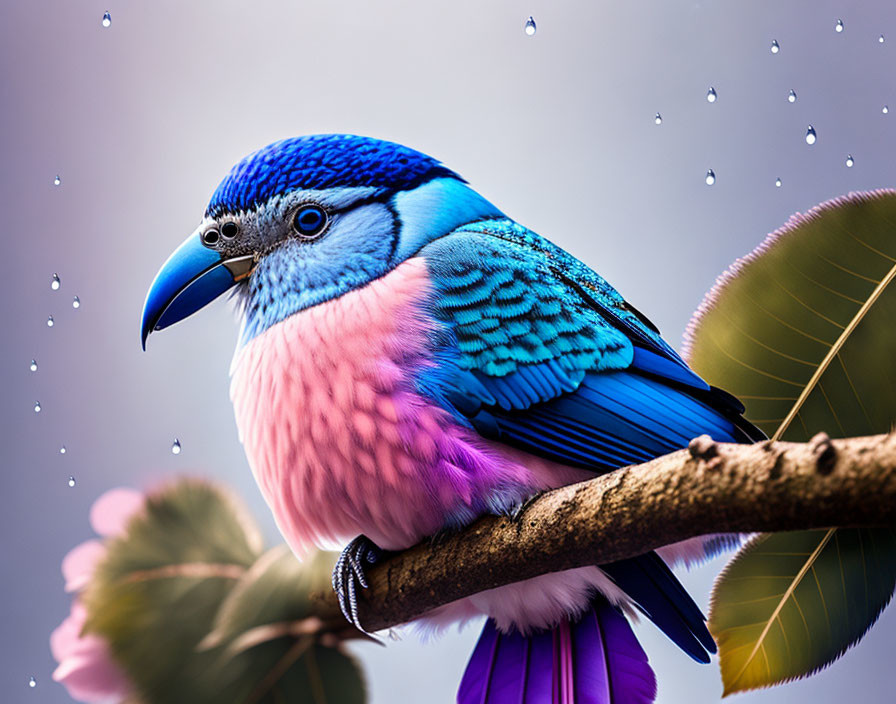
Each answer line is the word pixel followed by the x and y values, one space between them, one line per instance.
pixel 307 219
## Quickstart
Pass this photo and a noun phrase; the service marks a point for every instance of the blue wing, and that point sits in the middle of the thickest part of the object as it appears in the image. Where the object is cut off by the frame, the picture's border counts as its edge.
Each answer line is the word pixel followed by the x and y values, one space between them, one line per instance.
pixel 542 354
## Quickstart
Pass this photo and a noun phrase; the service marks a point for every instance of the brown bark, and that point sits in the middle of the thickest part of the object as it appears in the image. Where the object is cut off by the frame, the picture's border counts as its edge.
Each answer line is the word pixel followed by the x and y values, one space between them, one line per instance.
pixel 708 488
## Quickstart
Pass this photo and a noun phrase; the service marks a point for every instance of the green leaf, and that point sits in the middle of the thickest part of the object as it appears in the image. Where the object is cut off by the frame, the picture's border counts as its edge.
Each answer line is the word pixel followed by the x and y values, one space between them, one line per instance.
pixel 194 613
pixel 271 648
pixel 275 590
pixel 801 331
pixel 788 603
pixel 157 592
pixel 301 672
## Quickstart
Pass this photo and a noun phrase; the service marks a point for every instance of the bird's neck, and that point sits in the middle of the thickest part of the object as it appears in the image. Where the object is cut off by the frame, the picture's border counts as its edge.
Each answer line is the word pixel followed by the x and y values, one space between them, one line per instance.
pixel 435 209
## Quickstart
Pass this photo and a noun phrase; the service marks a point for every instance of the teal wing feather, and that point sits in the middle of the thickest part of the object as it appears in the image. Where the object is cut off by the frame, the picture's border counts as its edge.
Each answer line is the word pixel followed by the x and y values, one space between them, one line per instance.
pixel 508 310
pixel 544 354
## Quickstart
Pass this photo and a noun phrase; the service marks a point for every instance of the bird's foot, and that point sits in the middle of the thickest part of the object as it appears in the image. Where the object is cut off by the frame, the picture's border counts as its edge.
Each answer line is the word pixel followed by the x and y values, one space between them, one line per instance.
pixel 440 536
pixel 348 574
pixel 517 512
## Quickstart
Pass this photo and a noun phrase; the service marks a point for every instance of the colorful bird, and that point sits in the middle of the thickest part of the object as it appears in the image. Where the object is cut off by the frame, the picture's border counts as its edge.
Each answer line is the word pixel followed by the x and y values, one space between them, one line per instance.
pixel 410 359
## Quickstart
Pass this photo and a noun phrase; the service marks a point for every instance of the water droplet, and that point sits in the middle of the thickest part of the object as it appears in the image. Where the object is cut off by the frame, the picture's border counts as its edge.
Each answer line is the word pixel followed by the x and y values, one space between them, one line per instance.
pixel 175 447
pixel 885 109
pixel 37 406
pixel 32 682
pixel 791 96
pixel 839 26
pixel 849 160
pixel 33 366
pixel 71 481
pixel 107 19
pixel 880 39
pixel 810 135
pixel 57 180
pixel 777 183
pixel 62 450
pixel 775 46
pixel 530 26
pixel 50 321
pixel 658 119
pixel 76 302
pixel 711 95
pixel 710 177
pixel 55 283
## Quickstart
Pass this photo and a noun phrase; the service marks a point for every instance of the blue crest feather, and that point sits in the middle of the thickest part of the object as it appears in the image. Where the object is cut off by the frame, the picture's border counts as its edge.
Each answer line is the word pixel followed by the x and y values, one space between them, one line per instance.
pixel 319 162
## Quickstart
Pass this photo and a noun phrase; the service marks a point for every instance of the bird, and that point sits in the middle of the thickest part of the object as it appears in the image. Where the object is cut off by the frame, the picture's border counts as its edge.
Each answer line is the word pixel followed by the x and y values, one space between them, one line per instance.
pixel 410 359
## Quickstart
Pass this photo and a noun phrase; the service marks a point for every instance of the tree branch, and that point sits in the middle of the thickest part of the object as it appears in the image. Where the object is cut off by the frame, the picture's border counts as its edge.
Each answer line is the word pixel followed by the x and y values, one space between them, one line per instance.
pixel 708 488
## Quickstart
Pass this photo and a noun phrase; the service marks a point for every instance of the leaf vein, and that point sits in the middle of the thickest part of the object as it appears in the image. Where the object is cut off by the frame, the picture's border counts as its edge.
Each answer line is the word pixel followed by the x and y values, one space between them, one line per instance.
pixel 834 350
pixel 789 593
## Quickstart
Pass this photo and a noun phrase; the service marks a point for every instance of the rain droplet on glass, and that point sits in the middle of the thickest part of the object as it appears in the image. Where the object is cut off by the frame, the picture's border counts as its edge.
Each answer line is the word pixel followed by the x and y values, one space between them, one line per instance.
pixel 775 46
pixel 50 321
pixel 55 283
pixel 32 682
pixel 849 160
pixel 76 302
pixel 107 19
pixel 777 183
pixel 658 119
pixel 791 96
pixel 175 447
pixel 885 109
pixel 33 366
pixel 37 406
pixel 880 39
pixel 71 481
pixel 62 450
pixel 711 95
pixel 839 26
pixel 710 177
pixel 57 180
pixel 810 135
pixel 530 26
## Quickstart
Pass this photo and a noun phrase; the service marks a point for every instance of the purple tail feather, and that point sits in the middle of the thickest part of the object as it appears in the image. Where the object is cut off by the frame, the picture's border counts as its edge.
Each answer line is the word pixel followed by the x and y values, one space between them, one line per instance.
pixel 596 660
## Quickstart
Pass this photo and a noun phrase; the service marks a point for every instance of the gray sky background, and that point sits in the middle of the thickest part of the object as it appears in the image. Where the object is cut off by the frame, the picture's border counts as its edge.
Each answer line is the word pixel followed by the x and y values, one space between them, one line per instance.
pixel 141 121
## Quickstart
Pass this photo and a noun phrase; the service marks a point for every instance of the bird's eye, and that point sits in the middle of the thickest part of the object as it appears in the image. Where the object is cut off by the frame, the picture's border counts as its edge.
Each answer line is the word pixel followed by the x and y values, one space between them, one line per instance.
pixel 309 221
pixel 210 237
pixel 229 230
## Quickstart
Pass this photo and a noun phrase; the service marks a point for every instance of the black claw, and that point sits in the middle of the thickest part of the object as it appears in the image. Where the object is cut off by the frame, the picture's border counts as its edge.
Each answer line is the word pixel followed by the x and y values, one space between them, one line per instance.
pixel 520 509
pixel 349 573
pixel 354 558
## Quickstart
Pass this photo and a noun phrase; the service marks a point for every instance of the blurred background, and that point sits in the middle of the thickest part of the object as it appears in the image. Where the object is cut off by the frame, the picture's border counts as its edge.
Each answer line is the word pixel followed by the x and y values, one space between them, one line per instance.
pixel 141 119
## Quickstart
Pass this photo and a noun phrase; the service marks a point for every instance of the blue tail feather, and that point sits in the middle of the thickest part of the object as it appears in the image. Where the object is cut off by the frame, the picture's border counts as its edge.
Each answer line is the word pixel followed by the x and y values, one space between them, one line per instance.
pixel 659 594
pixel 594 660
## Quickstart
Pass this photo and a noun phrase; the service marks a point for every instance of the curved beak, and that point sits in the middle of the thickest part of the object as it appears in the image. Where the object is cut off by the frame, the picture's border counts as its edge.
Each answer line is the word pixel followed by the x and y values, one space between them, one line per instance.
pixel 192 278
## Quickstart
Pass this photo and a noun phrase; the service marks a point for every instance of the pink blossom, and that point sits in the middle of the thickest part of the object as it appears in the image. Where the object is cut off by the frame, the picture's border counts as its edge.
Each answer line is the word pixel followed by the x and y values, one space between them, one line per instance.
pixel 86 667
pixel 79 564
pixel 111 512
